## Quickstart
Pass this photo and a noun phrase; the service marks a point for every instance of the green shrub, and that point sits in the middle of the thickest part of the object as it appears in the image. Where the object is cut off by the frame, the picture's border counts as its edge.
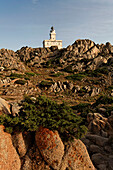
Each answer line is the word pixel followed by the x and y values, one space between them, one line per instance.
pixel 30 74
pixel 49 63
pixel 78 76
pixel 83 109
pixel 98 72
pixel 109 88
pixel 22 82
pixel 104 99
pixel 49 114
pixel 68 69
pixel 15 75
pixel 44 84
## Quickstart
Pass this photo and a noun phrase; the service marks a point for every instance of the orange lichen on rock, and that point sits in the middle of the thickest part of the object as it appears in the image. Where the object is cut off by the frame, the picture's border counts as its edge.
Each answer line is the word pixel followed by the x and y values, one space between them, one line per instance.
pixel 50 146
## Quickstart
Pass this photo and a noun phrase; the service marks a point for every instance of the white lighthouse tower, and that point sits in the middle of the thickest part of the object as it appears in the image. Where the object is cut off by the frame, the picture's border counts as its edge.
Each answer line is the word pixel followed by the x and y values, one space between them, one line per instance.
pixel 52 34
pixel 52 41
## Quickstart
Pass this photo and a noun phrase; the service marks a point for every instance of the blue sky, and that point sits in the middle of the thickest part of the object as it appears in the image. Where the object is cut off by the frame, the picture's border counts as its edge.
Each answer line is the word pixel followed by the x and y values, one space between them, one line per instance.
pixel 28 22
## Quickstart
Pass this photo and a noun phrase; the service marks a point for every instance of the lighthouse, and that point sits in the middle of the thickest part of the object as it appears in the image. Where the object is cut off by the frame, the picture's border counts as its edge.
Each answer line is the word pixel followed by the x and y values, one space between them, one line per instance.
pixel 52 41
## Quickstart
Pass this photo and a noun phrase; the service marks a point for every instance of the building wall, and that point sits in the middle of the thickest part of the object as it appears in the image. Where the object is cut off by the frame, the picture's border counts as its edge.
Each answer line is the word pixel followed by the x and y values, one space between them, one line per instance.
pixel 49 43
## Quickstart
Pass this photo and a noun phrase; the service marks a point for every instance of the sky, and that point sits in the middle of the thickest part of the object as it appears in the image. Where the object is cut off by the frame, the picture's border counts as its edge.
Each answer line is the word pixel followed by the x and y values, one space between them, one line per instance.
pixel 28 22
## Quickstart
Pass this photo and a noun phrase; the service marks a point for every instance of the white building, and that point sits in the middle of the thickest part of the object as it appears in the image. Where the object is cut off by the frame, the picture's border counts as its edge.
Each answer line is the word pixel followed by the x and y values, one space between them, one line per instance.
pixel 52 41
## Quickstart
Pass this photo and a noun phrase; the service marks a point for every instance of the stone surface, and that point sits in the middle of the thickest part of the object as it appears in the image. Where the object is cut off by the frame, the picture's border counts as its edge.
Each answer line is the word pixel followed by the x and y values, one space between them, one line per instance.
pixel 4 107
pixel 9 59
pixel 98 158
pixel 19 143
pixel 76 157
pixel 52 150
pixel 95 149
pixel 9 159
pixel 50 146
pixel 27 163
pixel 99 140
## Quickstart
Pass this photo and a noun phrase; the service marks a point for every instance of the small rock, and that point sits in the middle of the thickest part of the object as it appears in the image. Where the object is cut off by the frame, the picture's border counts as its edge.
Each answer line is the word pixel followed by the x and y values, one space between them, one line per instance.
pixel 102 167
pixel 95 149
pixel 98 140
pixel 95 91
pixel 103 110
pixel 98 158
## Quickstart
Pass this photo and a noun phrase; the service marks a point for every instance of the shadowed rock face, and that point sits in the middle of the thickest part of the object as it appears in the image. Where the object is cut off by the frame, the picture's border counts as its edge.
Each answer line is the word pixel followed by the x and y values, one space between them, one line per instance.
pixel 99 140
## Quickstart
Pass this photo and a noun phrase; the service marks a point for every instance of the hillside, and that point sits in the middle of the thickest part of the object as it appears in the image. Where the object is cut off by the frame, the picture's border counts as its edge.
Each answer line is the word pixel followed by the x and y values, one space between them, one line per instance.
pixel 80 75
pixel 80 72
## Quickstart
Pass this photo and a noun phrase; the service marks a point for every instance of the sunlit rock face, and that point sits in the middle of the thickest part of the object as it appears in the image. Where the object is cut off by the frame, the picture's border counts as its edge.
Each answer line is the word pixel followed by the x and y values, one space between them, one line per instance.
pixel 9 159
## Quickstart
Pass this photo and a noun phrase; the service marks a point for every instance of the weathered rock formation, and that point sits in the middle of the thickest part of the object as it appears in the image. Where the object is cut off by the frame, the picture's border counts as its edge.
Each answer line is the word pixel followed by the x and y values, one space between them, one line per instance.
pixel 99 140
pixel 9 60
pixel 41 150
pixel 9 159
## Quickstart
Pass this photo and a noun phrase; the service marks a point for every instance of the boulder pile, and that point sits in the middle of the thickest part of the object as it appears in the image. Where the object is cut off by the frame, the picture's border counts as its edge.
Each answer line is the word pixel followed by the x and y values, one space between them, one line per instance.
pixel 99 140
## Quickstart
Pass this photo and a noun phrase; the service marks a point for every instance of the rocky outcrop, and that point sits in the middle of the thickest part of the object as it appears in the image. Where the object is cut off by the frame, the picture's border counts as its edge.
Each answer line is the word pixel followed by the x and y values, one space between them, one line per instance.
pixel 81 55
pixel 10 61
pixel 41 150
pixel 50 146
pixel 36 57
pixel 19 143
pixel 52 149
pixel 76 157
pixel 4 107
pixel 60 87
pixel 99 140
pixel 9 158
pixel 46 152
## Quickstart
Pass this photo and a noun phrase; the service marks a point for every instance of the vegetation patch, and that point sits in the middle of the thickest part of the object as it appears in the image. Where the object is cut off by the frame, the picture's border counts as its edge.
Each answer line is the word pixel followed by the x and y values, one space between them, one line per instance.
pixel 15 75
pixel 30 74
pixel 98 72
pixel 68 69
pixel 44 84
pixel 78 76
pixel 46 113
pixel 22 82
pixel 83 109
pixel 104 99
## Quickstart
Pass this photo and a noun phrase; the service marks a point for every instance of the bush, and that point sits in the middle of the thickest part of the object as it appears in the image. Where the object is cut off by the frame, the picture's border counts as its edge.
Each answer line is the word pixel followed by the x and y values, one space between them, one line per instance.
pixel 30 74
pixel 46 113
pixel 68 69
pixel 78 76
pixel 44 84
pixel 98 72
pixel 15 75
pixel 22 82
pixel 110 88
pixel 83 109
pixel 104 100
